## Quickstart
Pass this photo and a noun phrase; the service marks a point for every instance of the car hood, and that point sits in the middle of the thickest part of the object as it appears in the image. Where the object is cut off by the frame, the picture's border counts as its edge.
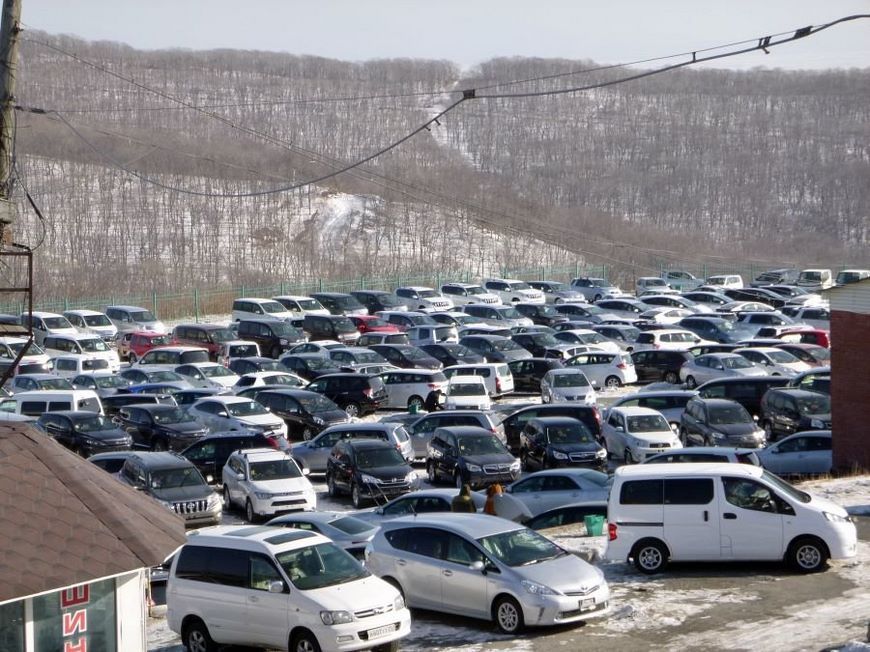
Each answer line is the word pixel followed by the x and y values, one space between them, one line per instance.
pixel 468 358
pixel 388 472
pixel 508 356
pixel 736 429
pixel 114 434
pixel 334 416
pixel 567 573
pixel 175 494
pixel 749 371
pixel 281 484
pixel 184 428
pixel 590 447
pixel 260 420
pixel 490 458
pixel 825 416
pixel 656 437
pixel 360 595
pixel 827 506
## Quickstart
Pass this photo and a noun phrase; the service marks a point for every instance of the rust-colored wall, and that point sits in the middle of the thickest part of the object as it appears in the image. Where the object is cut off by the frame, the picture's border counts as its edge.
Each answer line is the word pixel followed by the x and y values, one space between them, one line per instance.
pixel 850 390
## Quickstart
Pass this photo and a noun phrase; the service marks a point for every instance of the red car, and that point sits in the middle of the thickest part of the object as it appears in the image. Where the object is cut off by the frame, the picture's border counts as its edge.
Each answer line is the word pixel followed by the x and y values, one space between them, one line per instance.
pixel 372 324
pixel 132 346
pixel 807 336
pixel 813 354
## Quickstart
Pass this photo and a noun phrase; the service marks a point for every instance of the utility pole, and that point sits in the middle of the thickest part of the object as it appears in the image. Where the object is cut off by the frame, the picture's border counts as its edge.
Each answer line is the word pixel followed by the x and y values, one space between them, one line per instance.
pixel 8 70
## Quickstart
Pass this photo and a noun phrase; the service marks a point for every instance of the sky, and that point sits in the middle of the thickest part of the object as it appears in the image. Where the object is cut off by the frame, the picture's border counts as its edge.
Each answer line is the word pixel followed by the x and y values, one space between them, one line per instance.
pixel 470 31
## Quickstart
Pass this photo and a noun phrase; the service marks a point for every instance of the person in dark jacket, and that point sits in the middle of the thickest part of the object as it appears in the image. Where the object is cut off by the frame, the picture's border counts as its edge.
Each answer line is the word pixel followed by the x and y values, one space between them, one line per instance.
pixel 433 401
pixel 463 502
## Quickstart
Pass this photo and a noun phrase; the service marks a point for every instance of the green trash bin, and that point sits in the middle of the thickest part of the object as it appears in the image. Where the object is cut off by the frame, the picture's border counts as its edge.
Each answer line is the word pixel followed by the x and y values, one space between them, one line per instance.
pixel 594 525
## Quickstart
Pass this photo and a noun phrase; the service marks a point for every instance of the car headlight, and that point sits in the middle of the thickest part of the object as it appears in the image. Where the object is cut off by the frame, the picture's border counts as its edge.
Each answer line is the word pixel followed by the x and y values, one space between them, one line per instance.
pixel 473 468
pixel 537 589
pixel 213 501
pixel 559 455
pixel 318 420
pixel 817 423
pixel 601 454
pixel 411 478
pixel 836 518
pixel 262 495
pixel 515 465
pixel 165 503
pixel 369 479
pixel 398 603
pixel 718 436
pixel 285 342
pixel 335 617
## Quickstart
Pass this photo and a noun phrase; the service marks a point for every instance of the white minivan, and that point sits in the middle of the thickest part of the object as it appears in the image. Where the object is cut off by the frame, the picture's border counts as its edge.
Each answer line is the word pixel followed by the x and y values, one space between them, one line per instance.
pixel 497 375
pixel 721 512
pixel 35 403
pixel 278 588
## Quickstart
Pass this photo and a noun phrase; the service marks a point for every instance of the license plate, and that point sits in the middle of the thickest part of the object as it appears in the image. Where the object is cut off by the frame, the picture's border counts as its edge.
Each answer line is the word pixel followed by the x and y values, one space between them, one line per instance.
pixel 586 605
pixel 381 631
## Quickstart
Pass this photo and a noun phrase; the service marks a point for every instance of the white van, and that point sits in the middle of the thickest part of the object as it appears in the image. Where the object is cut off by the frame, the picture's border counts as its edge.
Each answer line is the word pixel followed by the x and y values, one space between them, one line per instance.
pixel 278 588
pixel 467 393
pixel 721 512
pixel 257 308
pixel 498 376
pixel 89 345
pixel 10 347
pixel 47 323
pixel 91 321
pixel 233 349
pixel 813 280
pixel 134 318
pixel 34 404
pixel 729 281
pixel 70 365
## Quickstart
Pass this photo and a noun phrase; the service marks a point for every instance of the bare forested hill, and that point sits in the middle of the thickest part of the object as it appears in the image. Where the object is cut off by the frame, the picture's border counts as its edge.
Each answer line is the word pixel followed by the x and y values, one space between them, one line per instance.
pixel 148 167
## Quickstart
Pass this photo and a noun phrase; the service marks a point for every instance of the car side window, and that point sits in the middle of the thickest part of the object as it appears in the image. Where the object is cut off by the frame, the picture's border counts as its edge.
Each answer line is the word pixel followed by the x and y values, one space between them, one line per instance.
pixel 558 483
pixel 747 494
pixel 262 572
pixel 460 551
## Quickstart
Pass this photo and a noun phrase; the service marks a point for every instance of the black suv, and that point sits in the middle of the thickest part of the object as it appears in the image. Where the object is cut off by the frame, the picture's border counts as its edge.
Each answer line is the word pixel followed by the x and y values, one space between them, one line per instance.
pixel 785 411
pixel 210 454
pixel 338 303
pixel 160 427
pixel 655 365
pixel 406 356
pixel 309 365
pixel 549 442
pixel 176 483
pixel 495 348
pixel 528 373
pixel 113 404
pixel 305 413
pixel 541 313
pixel 377 300
pixel 451 354
pixel 370 469
pixel 356 394
pixel 719 422
pixel 252 364
pixel 85 433
pixel 272 336
pixel 541 345
pixel 745 390
pixel 330 327
pixel 470 455
pixel 516 422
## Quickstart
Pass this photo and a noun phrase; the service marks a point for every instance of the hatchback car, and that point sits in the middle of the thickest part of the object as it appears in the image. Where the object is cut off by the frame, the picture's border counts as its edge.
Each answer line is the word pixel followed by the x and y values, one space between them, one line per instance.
pixel 356 394
pixel 558 292
pixel 309 366
pixel 567 385
pixel 207 374
pixel 369 470
pixel 451 354
pixel 803 453
pixel 247 365
pixel 486 568
pixel 717 365
pixel 220 413
pixel 46 324
pixel 160 427
pixel 608 370
pixel 635 433
pixel 548 489
pixel 655 365
pixel 210 453
pixel 469 455
pixel 347 532
pixel 542 314
pixel 786 410
pixel 304 413
pixel 91 321
pixel 84 433
pixel 272 336
pixel 409 388
pixel 134 318
pixel 719 422
pixel 314 454
pixel 466 392
pixel 559 441
pixel 406 356
pixel 670 403
pixel 265 482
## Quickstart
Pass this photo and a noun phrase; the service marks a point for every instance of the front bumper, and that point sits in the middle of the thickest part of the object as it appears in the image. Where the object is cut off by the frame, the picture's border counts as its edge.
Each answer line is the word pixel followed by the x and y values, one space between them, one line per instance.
pixel 356 635
pixel 291 501
pixel 481 479
pixel 390 490
pixel 642 453
pixel 561 609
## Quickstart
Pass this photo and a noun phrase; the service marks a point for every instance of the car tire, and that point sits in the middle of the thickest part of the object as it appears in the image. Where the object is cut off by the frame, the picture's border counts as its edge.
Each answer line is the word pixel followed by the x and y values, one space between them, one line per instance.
pixel 672 377
pixel 307 433
pixel 228 503
pixel 352 410
pixel 356 496
pixel 432 473
pixel 508 615
pixel 304 641
pixel 250 515
pixel 650 556
pixel 545 399
pixel 558 300
pixel 612 382
pixel 691 383
pixel 597 297
pixel 807 555
pixel 331 489
pixel 196 638
pixel 416 403
pixel 159 445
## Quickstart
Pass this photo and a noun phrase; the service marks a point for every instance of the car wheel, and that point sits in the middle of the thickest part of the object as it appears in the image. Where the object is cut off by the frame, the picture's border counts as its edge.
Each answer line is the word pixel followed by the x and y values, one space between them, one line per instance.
pixel 415 403
pixel 304 641
pixel 672 377
pixel 430 471
pixel 352 410
pixel 331 489
pixel 197 639
pixel 307 433
pixel 597 297
pixel 558 300
pixel 508 615
pixel 612 382
pixel 691 383
pixel 250 514
pixel 628 457
pixel 159 445
pixel 650 557
pixel 228 503
pixel 807 555
pixel 132 358
pixel 276 352
pixel 356 496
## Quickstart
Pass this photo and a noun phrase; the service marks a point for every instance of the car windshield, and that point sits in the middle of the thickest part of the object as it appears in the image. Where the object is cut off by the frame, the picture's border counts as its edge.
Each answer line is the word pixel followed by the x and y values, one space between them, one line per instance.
pixel 172 415
pixel 821 354
pixel 810 276
pixel 174 478
pixel 848 277
pixel 319 566
pixel 93 345
pixel 576 433
pixel 570 380
pixel 33 349
pixel 520 547
pixel 57 322
pixel 142 315
pixel 320 363
pixel 735 362
pixel 284 329
pixel 548 311
pixel 648 423
pixel 351 525
pixel 507 345
pixel 270 365
pixel 519 285
pixel 159 340
pixel 480 445
pixel 283 379
pixel 414 354
pixel 508 313
pixel 221 335
pixel 782 357
pixel 54 383
pixel 216 371
pixel 475 289
pixel 163 376
pixel 558 287
pixel 785 487
pixel 467 389
pixel 818 404
pixel 97 320
pixel 274 470
pixel 111 382
pixel 245 409
pixel 375 322
pixel 316 403
pixel 94 424
pixel 428 294
pixel 720 416
pixel 272 307
pixel 375 458
pixel 545 339
pixel 309 304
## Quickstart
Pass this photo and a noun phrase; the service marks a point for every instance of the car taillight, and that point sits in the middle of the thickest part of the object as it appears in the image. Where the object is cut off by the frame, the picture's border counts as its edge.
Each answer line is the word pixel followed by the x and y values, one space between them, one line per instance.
pixel 433 385
pixel 621 365
pixel 497 384
pixel 367 392
pixel 657 346
pixel 273 442
pixel 611 531
pixel 597 414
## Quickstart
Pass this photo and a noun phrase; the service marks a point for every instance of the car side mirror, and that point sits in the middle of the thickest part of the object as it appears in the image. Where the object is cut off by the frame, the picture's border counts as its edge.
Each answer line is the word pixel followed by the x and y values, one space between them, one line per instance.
pixel 478 566
pixel 595 385
pixel 209 479
pixel 240 476
pixel 276 586
pixel 755 418
pixel 223 414
pixel 306 471
pixel 774 451
pixel 620 429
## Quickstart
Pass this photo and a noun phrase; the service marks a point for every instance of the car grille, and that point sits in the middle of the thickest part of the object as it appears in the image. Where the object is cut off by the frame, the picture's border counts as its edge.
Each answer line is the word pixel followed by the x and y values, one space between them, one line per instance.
pixel 583 590
pixel 189 507
pixel 398 483
pixel 440 304
pixel 662 445
pixel 581 457
pixel 492 469
pixel 373 611
pixel 490 300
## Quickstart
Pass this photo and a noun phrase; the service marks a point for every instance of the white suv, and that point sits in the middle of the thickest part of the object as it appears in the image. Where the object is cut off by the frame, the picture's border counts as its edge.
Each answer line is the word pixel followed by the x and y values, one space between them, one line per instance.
pixel 266 482
pixel 221 413
pixel 278 588
pixel 462 293
pixel 514 291
pixel 423 299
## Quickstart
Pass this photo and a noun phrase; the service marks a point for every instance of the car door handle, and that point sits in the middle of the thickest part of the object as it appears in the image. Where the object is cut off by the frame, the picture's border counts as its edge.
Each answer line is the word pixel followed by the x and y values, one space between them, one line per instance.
pixel 401 562
pixel 253 598
pixel 447 573
pixel 706 515
pixel 731 516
